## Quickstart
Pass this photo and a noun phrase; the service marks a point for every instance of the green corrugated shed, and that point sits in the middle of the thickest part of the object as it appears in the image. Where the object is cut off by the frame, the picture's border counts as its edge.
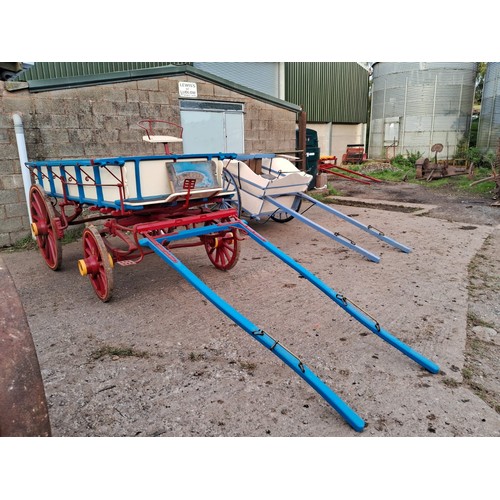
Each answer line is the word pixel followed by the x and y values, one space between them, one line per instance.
pixel 329 91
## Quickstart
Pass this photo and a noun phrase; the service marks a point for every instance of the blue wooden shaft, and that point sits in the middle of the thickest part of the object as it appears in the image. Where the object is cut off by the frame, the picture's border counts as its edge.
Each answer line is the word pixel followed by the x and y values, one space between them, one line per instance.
pixel 337 237
pixel 349 415
pixel 338 298
pixel 356 223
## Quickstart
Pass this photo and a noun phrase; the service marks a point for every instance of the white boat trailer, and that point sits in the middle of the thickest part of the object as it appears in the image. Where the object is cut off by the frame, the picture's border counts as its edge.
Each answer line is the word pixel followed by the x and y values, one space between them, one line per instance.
pixel 270 186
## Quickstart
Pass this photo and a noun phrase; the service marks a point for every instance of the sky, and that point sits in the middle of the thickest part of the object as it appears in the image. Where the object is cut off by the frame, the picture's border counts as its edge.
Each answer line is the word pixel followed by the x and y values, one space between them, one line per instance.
pixel 259 31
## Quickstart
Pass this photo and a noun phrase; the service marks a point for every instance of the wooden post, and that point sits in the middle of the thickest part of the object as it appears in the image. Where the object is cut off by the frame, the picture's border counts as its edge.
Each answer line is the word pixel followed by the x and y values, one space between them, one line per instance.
pixel 302 138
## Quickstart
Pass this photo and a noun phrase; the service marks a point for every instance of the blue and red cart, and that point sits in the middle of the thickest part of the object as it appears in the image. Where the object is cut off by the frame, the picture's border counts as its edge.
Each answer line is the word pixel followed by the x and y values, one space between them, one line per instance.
pixel 139 205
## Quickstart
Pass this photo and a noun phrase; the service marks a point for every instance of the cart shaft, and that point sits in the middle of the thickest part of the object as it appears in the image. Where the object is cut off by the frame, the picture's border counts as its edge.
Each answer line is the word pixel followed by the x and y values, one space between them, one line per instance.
pixel 369 229
pixel 349 415
pixel 334 236
pixel 156 244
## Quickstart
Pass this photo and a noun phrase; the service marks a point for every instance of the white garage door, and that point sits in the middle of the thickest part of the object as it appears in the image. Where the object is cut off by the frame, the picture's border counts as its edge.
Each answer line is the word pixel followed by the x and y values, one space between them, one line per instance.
pixel 212 127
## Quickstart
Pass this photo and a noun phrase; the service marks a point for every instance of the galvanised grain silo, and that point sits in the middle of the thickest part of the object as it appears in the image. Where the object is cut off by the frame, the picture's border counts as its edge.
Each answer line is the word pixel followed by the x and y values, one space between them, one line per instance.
pixel 416 105
pixel 488 131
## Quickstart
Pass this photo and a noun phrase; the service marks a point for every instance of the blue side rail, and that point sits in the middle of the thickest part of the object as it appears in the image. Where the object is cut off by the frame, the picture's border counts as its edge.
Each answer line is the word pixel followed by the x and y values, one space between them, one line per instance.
pixel 88 173
pixel 349 415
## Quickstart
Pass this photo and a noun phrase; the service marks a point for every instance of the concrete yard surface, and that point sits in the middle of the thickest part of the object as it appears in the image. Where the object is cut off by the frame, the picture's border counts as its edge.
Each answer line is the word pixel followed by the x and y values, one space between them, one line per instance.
pixel 161 360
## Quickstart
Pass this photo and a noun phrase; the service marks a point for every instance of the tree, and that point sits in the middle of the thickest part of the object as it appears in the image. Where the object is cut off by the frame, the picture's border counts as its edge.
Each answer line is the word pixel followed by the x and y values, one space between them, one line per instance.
pixel 481 72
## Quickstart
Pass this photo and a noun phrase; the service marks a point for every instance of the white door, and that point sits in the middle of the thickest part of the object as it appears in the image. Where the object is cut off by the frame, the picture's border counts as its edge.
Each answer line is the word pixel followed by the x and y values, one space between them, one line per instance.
pixel 212 127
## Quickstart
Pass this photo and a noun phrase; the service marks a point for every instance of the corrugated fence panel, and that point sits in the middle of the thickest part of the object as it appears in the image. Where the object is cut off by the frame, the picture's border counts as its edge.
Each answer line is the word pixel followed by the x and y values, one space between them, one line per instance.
pixel 329 91
pixel 260 76
pixel 488 133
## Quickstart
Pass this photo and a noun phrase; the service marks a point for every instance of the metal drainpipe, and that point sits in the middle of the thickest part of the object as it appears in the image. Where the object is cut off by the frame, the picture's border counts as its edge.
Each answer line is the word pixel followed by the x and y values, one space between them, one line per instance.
pixel 433 113
pixel 23 158
pixel 402 126
pixel 330 127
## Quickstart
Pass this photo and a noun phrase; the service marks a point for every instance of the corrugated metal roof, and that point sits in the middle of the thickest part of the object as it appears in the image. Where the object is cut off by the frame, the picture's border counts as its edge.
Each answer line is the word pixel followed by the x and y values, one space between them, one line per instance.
pixel 51 70
pixel 329 91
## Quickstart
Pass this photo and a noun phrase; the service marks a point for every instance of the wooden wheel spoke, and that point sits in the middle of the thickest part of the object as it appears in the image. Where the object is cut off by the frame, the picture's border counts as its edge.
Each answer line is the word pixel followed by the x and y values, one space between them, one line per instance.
pixel 97 265
pixel 50 245
pixel 223 250
pixel 225 253
pixel 220 257
pixel 100 279
pixel 44 220
pixel 40 214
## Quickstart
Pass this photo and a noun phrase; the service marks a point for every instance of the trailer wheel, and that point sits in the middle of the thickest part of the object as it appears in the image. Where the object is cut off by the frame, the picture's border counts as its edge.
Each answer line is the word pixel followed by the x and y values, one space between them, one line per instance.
pixel 44 227
pixel 223 249
pixel 282 217
pixel 97 263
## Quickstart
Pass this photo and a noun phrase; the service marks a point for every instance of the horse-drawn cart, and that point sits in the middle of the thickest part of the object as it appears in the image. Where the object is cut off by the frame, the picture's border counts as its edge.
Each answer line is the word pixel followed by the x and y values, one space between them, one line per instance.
pixel 139 205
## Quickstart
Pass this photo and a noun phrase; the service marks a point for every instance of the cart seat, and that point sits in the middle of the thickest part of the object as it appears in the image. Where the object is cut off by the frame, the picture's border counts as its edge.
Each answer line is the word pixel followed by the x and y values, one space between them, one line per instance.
pixel 278 167
pixel 260 185
pixel 164 139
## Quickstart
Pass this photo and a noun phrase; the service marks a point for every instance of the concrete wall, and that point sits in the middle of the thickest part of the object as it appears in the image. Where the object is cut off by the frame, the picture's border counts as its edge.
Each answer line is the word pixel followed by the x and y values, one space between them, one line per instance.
pixel 333 138
pixel 101 121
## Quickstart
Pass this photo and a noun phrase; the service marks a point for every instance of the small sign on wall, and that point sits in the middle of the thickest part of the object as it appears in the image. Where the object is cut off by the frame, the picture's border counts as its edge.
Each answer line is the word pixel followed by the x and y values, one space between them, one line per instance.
pixel 188 89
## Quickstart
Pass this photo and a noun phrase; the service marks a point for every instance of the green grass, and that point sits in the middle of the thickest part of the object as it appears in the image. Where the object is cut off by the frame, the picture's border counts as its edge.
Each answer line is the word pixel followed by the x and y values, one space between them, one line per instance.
pixel 322 196
pixel 26 243
pixel 405 171
pixel 398 170
pixel 248 366
pixel 73 234
pixel 449 382
pixel 462 183
pixel 474 320
pixel 395 175
pixel 196 356
pixel 29 243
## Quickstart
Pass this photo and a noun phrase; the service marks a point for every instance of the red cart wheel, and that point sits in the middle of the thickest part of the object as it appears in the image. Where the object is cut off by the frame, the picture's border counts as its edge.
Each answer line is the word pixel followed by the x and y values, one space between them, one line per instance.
pixel 44 227
pixel 97 263
pixel 223 249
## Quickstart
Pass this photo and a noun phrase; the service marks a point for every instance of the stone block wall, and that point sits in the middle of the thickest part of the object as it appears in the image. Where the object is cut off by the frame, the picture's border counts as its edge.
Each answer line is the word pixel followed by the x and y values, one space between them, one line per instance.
pixel 101 121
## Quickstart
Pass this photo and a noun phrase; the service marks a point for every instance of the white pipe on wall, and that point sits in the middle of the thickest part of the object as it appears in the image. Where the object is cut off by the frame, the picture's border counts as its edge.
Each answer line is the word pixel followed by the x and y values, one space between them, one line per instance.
pixel 23 158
